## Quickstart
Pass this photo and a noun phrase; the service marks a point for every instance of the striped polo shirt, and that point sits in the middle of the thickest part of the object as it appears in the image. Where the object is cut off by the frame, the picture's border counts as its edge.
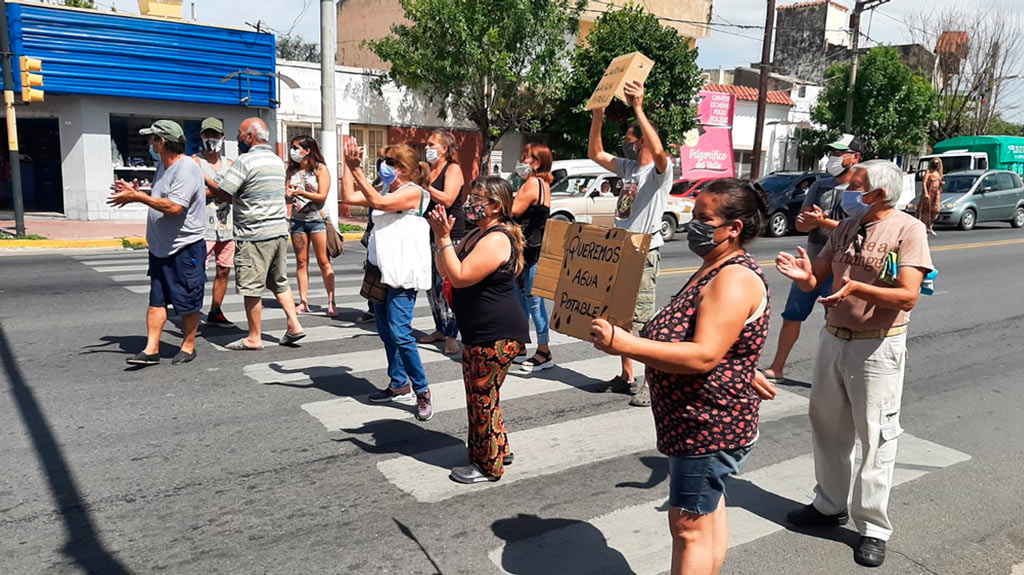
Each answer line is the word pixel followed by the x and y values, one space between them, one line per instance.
pixel 256 185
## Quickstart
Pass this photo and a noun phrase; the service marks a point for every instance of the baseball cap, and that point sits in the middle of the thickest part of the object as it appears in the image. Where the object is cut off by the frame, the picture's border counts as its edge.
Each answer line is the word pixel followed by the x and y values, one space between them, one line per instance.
pixel 212 124
pixel 166 129
pixel 848 142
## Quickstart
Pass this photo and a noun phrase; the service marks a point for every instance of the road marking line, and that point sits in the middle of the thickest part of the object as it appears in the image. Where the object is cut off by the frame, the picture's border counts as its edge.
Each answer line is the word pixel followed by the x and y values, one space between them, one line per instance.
pixel 549 449
pixel 637 535
pixel 143 267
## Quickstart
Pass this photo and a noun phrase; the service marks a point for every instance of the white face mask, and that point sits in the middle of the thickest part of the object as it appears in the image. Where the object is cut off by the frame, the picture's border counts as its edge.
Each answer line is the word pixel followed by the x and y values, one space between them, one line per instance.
pixel 212 144
pixel 523 169
pixel 432 155
pixel 296 155
pixel 835 165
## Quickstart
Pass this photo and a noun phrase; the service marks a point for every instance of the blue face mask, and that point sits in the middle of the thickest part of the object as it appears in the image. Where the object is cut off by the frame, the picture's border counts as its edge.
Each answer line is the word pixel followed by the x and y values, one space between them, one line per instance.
pixel 153 153
pixel 387 174
pixel 853 204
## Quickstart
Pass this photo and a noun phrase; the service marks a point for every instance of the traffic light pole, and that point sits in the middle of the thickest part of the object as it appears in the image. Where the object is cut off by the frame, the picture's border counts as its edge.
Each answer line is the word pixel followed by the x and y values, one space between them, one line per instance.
pixel 12 123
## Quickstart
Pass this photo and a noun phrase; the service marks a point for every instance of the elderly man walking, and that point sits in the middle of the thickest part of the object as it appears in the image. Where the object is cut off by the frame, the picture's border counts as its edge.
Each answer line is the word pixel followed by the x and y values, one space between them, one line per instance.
pixel 176 234
pixel 877 257
pixel 255 186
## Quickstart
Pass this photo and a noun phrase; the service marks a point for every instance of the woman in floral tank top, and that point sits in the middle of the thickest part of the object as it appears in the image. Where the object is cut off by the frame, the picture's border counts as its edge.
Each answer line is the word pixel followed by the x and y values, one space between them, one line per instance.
pixel 701 352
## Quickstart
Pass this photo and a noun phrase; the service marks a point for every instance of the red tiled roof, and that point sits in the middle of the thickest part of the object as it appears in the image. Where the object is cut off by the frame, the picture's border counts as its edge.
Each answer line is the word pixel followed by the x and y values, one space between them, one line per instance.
pixel 750 94
pixel 952 42
pixel 814 3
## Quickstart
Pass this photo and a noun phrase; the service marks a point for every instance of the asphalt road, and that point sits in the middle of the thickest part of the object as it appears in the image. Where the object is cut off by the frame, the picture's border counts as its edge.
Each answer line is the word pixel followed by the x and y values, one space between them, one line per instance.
pixel 272 462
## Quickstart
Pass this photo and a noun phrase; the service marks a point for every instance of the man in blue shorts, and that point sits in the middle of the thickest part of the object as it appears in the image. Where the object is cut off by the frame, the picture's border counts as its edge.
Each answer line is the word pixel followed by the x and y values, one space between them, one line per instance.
pixel 176 234
pixel 821 213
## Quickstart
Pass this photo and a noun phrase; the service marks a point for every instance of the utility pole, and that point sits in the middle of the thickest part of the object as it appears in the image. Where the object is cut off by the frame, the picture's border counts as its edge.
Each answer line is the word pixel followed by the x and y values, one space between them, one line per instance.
pixel 12 123
pixel 328 113
pixel 861 6
pixel 762 92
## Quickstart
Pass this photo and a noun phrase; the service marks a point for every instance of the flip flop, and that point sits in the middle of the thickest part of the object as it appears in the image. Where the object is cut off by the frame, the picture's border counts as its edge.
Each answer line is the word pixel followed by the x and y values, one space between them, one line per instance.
pixel 241 345
pixel 365 318
pixel 290 338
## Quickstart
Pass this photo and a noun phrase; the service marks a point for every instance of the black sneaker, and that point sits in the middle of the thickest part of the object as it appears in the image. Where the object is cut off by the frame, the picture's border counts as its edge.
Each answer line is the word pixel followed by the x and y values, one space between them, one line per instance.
pixel 870 552
pixel 143 358
pixel 809 516
pixel 217 317
pixel 402 394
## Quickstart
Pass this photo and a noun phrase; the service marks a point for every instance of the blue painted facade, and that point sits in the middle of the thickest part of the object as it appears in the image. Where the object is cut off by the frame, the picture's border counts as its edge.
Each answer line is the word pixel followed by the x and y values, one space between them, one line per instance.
pixel 88 52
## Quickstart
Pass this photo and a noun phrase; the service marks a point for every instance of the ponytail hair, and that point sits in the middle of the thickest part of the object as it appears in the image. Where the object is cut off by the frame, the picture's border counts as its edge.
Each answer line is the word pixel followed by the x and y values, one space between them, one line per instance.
pixel 447 139
pixel 741 200
pixel 407 160
pixel 498 191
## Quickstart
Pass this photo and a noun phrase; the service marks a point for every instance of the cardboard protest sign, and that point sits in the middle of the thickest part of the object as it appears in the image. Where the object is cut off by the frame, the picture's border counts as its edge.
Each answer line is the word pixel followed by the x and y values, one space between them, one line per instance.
pixel 599 276
pixel 545 282
pixel 632 66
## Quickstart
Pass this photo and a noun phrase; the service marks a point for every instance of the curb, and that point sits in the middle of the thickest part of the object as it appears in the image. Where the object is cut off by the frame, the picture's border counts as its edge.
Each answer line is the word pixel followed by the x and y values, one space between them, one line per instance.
pixel 352 236
pixel 109 242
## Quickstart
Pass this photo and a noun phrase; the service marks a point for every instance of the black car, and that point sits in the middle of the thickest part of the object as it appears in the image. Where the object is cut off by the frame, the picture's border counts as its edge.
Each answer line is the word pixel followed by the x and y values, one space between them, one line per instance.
pixel 786 192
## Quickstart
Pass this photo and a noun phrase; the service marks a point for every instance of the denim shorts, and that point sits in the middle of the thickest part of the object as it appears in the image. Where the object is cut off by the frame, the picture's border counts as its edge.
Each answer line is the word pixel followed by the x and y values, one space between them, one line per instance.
pixel 307 226
pixel 697 483
pixel 800 304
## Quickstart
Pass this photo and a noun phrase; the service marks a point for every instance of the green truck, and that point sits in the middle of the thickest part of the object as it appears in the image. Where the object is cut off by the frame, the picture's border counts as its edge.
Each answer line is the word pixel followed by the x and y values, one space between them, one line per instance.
pixel 977 153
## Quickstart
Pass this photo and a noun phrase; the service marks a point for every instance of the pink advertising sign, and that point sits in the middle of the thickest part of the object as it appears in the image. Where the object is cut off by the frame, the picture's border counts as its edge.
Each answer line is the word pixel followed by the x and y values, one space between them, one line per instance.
pixel 715 108
pixel 711 157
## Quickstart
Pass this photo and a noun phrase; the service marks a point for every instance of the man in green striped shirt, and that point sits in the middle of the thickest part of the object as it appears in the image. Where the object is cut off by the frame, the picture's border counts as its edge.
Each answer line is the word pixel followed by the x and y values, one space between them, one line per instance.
pixel 255 186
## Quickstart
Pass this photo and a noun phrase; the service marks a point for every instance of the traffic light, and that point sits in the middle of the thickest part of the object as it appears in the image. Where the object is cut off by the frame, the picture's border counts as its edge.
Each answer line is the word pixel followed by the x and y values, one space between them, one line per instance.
pixel 30 81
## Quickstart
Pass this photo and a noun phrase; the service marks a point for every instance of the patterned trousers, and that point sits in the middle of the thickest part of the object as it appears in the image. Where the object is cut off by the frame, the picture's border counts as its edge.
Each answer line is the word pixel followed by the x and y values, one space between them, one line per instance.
pixel 484 369
pixel 928 210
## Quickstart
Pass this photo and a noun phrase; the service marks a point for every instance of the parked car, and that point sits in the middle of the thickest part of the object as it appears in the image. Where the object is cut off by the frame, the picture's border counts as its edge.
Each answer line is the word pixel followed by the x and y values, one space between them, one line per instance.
pixel 974 196
pixel 683 188
pixel 786 192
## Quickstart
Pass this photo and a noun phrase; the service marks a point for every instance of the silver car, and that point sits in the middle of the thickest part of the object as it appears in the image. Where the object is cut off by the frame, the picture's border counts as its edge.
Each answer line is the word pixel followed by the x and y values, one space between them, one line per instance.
pixel 974 196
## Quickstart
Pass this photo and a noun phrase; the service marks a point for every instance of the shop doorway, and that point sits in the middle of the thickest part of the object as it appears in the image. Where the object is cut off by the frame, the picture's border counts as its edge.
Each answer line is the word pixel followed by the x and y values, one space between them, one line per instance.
pixel 42 187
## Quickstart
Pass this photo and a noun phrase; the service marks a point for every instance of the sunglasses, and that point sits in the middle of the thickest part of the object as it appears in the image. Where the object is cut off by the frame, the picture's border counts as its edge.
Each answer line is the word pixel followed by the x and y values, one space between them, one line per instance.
pixel 297 147
pixel 390 161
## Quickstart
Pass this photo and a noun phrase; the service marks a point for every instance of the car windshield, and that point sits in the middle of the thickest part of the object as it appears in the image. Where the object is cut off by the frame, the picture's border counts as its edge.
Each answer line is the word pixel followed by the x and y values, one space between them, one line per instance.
pixel 958 184
pixel 573 186
pixel 776 184
pixel 680 187
pixel 949 164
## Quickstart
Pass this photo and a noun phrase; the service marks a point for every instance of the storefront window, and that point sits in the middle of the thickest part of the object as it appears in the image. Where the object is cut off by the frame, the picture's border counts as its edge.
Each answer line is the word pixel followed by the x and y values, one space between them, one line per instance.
pixel 129 150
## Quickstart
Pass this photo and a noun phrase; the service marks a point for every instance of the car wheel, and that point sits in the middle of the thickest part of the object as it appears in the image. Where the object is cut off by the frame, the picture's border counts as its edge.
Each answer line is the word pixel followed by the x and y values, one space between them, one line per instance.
pixel 778 225
pixel 968 220
pixel 668 227
pixel 561 218
pixel 1018 217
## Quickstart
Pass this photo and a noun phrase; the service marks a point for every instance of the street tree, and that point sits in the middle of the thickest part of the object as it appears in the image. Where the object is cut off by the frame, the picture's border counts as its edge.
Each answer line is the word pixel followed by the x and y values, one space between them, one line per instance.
pixel 980 50
pixel 496 63
pixel 297 49
pixel 669 90
pixel 893 106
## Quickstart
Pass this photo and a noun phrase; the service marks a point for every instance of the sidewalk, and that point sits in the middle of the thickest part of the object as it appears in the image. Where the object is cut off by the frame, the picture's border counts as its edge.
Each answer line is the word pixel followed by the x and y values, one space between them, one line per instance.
pixel 63 233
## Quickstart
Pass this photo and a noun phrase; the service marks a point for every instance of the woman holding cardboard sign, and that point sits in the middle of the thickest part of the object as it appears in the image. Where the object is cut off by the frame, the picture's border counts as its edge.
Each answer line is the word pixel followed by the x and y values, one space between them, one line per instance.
pixel 482 271
pixel 701 352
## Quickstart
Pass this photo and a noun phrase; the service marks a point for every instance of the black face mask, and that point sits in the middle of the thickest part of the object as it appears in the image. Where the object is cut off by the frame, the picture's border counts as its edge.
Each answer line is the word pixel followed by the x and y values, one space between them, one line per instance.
pixel 700 238
pixel 628 151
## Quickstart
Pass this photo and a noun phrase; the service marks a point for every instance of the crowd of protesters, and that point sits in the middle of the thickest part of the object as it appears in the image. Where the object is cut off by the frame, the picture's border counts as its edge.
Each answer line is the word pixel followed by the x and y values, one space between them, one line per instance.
pixel 474 249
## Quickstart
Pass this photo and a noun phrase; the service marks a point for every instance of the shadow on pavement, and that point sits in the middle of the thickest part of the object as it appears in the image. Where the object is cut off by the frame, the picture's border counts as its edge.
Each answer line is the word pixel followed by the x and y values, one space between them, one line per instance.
pixel 580 548
pixel 126 345
pixel 408 533
pixel 83 545
pixel 337 381
pixel 786 382
pixel 768 505
pixel 399 437
pixel 659 473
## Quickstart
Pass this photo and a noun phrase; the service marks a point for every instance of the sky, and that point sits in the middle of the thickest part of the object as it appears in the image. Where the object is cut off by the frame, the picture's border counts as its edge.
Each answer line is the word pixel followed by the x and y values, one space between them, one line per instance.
pixel 726 47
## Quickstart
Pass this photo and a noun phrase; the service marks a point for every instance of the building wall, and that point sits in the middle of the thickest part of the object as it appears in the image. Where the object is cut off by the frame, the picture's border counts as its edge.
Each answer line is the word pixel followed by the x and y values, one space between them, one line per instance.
pixel 361 20
pixel 469 143
pixel 774 139
pixel 799 40
pixel 688 10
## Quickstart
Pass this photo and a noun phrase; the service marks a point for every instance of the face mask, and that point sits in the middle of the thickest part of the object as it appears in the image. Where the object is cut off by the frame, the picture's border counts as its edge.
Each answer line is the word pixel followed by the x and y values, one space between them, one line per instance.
pixel 432 155
pixel 387 174
pixel 212 144
pixel 475 210
pixel 296 155
pixel 835 165
pixel 153 153
pixel 629 151
pixel 523 169
pixel 701 238
pixel 853 204
pixel 243 147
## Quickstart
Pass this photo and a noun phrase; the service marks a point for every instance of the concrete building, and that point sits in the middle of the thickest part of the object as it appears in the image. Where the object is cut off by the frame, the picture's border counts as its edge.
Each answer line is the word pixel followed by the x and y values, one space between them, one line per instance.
pixel 778 145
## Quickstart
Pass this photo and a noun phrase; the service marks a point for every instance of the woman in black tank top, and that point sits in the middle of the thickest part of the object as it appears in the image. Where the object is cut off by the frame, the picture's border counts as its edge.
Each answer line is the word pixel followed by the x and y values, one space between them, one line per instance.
pixel 531 209
pixel 446 189
pixel 483 270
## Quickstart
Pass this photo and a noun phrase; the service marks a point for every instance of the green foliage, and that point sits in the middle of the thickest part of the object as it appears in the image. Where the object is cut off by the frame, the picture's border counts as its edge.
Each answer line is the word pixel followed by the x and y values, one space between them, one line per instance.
pixel 496 63
pixel 80 3
pixel 350 228
pixel 892 106
pixel 997 126
pixel 130 244
pixel 24 237
pixel 669 89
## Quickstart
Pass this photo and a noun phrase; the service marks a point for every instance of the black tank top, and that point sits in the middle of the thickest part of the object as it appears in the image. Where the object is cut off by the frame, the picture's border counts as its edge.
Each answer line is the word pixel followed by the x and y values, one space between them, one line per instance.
pixel 532 222
pixel 456 209
pixel 488 311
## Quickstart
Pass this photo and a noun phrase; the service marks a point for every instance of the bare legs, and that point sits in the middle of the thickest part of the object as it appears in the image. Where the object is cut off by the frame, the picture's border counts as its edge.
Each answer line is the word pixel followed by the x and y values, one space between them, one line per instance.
pixel 787 339
pixel 220 286
pixel 156 317
pixel 319 241
pixel 253 315
pixel 301 243
pixel 699 542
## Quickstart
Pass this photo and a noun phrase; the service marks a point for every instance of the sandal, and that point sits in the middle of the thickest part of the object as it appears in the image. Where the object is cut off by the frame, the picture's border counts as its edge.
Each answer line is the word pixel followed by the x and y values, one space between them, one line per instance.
pixel 302 308
pixel 242 345
pixel 331 310
pixel 365 317
pixel 539 362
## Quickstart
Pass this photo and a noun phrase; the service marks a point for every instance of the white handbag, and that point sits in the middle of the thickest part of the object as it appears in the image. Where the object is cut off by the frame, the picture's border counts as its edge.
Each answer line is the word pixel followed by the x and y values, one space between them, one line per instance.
pixel 403 247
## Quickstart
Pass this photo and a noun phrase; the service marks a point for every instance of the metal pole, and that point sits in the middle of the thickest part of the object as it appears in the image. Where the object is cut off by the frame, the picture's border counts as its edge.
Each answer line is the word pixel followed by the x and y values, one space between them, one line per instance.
pixel 12 122
pixel 328 113
pixel 762 93
pixel 854 45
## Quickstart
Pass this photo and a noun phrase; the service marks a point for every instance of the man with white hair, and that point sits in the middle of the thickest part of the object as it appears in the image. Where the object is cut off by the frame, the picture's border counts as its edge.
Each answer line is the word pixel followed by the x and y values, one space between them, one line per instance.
pixel 877 257
pixel 255 186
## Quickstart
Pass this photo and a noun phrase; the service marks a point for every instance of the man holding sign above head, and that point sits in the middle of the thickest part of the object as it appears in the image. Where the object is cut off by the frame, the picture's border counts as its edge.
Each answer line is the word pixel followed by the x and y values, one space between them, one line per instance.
pixel 646 173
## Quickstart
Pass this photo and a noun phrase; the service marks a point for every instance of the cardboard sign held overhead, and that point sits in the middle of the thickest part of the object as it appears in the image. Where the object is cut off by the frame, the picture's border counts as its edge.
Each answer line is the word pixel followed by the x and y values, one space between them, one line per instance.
pixel 599 276
pixel 632 66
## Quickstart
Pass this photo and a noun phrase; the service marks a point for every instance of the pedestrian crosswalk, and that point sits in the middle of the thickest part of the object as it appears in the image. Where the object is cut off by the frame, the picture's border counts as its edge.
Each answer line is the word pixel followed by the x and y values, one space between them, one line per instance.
pixel 563 441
